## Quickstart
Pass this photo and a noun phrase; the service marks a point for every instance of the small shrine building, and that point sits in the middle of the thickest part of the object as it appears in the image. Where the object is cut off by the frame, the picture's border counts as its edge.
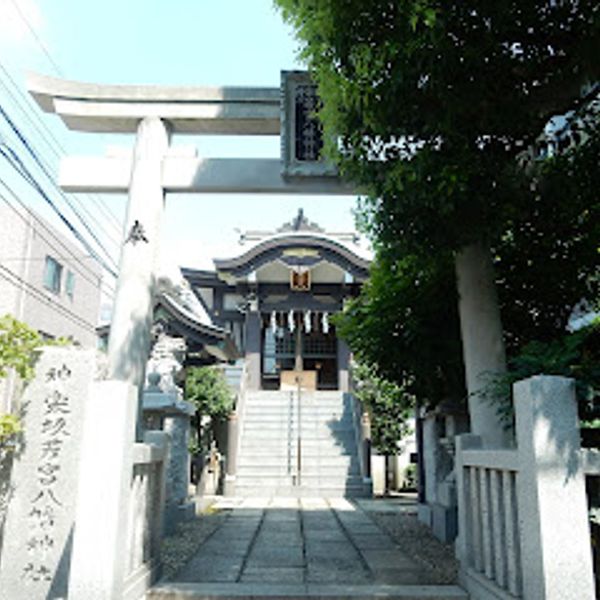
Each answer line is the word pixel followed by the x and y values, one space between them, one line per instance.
pixel 276 298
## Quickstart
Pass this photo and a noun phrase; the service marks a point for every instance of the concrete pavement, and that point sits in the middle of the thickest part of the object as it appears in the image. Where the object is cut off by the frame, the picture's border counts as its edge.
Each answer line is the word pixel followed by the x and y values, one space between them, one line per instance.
pixel 292 547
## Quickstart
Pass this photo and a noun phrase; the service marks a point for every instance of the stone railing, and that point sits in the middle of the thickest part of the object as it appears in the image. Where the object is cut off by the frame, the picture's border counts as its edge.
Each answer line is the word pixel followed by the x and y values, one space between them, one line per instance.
pixel 489 544
pixel 234 433
pixel 120 499
pixel 523 517
pixel 146 505
pixel 362 432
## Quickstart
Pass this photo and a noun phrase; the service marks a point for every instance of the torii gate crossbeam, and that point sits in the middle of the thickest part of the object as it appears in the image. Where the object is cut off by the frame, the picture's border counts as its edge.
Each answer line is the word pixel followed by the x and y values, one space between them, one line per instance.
pixel 153 114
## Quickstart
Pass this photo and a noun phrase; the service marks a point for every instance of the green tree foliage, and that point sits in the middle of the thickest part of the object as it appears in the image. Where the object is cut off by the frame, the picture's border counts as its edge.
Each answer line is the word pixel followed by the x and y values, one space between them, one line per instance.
pixel 389 405
pixel 547 258
pixel 17 345
pixel 436 110
pixel 430 104
pixel 575 355
pixel 206 389
pixel 10 425
pixel 406 322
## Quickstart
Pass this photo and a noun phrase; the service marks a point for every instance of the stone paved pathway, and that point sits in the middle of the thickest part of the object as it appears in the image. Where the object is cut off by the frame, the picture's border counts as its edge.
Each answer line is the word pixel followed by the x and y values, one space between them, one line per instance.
pixel 300 541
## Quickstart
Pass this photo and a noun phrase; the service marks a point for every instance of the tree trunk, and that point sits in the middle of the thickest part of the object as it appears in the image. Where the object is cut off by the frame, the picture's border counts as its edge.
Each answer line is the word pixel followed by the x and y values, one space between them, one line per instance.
pixel 482 341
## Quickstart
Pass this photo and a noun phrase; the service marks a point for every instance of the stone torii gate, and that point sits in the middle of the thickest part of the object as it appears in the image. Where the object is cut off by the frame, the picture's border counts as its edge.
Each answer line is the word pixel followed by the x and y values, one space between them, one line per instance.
pixel 155 168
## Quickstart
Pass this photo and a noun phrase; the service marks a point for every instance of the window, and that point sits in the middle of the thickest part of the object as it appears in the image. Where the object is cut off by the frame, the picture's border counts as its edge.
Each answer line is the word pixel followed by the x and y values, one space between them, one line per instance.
pixel 70 284
pixel 52 275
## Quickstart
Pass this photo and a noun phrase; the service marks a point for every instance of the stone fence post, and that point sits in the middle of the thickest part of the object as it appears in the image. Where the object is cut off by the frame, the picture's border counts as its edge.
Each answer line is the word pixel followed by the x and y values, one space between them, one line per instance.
pixel 98 566
pixel 175 414
pixel 365 423
pixel 232 453
pixel 553 512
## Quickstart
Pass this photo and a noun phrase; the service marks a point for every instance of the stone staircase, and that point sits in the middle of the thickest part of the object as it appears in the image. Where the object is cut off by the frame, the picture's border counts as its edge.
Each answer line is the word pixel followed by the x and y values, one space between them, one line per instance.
pixel 268 462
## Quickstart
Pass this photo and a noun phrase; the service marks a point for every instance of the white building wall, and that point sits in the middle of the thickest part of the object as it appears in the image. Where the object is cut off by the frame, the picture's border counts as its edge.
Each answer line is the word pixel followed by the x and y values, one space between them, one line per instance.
pixel 13 242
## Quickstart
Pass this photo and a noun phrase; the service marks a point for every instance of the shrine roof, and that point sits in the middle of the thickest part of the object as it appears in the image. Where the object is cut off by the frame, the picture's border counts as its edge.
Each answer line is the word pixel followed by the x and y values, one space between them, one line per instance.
pixel 297 233
pixel 214 340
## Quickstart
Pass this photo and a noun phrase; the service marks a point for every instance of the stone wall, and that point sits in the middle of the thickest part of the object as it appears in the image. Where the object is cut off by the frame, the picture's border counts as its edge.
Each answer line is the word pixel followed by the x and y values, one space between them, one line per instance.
pixel 37 537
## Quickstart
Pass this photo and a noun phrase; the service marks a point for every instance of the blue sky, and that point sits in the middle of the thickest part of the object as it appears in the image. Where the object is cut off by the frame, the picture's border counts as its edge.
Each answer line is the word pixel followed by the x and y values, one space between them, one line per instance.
pixel 184 42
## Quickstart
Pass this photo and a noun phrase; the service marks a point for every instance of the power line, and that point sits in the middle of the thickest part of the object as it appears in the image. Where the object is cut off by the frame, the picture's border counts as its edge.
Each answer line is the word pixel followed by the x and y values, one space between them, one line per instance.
pixel 38 161
pixel 22 170
pixel 37 38
pixel 55 146
pixel 15 161
pixel 113 238
pixel 94 278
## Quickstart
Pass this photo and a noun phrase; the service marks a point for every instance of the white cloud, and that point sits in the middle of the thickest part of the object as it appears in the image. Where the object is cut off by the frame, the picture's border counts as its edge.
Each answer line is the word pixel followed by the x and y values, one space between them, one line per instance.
pixel 13 26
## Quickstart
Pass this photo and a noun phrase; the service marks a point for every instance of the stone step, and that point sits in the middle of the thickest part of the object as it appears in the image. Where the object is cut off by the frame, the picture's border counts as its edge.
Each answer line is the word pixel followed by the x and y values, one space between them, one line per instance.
pixel 284 411
pixel 340 464
pixel 290 469
pixel 286 407
pixel 302 491
pixel 338 591
pixel 260 455
pixel 268 448
pixel 309 402
pixel 318 395
pixel 304 401
pixel 282 467
pixel 279 408
pixel 307 420
pixel 333 434
pixel 332 431
pixel 311 480
pixel 252 398
pixel 260 419
pixel 333 438
pixel 310 460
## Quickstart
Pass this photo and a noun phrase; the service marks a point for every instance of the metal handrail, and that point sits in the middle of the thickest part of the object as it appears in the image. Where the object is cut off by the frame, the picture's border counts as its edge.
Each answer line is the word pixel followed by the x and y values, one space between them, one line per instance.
pixel 299 436
pixel 235 421
pixel 362 432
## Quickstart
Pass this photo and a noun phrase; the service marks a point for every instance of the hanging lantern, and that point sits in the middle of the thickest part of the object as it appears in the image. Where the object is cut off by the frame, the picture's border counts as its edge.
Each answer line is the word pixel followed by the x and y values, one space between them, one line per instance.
pixel 274 322
pixel 325 323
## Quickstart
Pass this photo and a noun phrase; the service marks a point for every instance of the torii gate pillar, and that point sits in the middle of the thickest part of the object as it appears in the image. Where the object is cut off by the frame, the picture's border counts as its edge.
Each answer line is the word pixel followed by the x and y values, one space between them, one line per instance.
pixel 153 113
pixel 129 343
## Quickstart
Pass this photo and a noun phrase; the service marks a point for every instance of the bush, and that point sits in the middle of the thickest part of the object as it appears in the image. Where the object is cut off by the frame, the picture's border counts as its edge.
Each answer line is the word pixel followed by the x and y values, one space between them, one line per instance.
pixel 207 390
pixel 409 482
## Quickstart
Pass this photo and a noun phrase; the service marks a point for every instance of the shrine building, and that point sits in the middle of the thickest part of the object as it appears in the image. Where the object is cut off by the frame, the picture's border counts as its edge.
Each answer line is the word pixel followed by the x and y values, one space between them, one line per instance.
pixel 276 297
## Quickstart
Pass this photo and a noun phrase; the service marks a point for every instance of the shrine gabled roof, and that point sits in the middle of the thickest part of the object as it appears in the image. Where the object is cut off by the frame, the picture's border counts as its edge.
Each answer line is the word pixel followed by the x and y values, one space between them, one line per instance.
pixel 199 335
pixel 216 341
pixel 296 248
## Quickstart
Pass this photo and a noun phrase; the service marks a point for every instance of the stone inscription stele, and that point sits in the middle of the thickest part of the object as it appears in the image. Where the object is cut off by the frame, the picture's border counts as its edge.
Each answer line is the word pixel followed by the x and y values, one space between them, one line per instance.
pixel 35 558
